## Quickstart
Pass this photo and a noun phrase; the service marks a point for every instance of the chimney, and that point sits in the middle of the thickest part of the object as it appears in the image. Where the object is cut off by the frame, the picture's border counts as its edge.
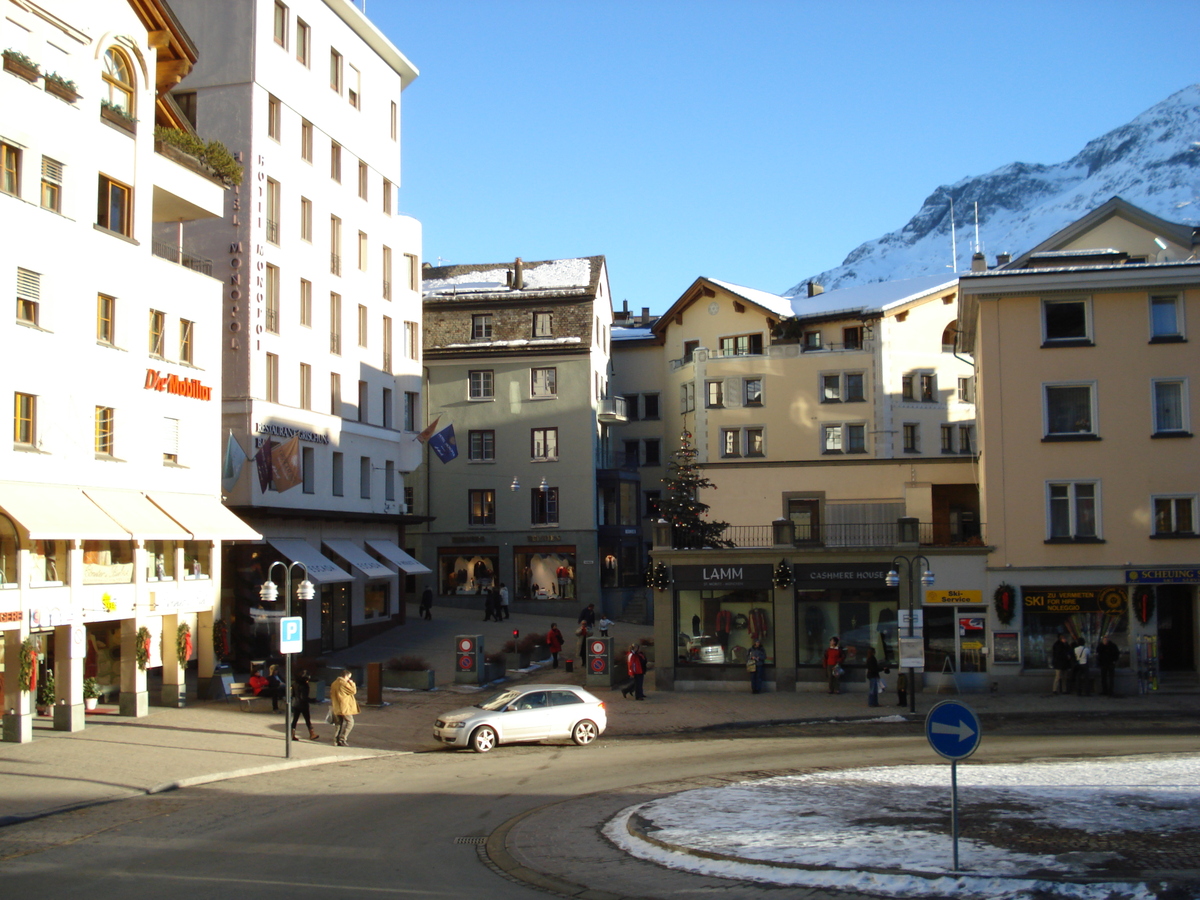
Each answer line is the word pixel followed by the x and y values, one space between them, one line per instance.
pixel 1003 259
pixel 978 262
pixel 645 316
pixel 518 275
pixel 814 289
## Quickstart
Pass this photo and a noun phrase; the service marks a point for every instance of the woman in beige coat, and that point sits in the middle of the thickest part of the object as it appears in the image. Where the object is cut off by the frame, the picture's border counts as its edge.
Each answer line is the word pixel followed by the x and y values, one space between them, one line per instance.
pixel 344 706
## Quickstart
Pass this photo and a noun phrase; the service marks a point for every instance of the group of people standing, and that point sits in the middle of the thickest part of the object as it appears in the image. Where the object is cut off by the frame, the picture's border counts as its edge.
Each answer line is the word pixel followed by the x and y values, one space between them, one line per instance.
pixel 1071 661
pixel 495 603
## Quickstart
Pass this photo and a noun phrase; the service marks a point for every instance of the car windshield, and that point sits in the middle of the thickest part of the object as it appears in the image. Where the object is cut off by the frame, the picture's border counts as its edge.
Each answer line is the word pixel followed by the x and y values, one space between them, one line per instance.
pixel 500 701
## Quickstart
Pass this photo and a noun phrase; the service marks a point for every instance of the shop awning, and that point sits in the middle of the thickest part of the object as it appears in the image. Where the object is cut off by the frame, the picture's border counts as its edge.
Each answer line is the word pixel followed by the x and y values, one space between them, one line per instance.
pixel 137 515
pixel 321 570
pixel 366 564
pixel 393 554
pixel 204 517
pixel 53 512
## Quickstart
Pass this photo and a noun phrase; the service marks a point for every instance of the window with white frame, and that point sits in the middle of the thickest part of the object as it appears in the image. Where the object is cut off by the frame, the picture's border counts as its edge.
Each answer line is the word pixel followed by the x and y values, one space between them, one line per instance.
pixel 1170 406
pixel 966 438
pixel 1072 510
pixel 303 34
pixel 1069 410
pixel 742 345
pixel 481 327
pixel 481 446
pixel 965 393
pixel 480 385
pixel 29 296
pixel 412 410
pixel 543 444
pixel 1174 515
pixel 1166 318
pixel 543 324
pixel 714 394
pixel 543 506
pixel 947 438
pixel 543 382
pixel 844 438
pixel 1066 322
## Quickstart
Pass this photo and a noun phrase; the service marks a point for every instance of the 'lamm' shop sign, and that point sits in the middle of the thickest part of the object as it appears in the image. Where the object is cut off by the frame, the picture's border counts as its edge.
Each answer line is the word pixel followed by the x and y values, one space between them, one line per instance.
pixel 723 577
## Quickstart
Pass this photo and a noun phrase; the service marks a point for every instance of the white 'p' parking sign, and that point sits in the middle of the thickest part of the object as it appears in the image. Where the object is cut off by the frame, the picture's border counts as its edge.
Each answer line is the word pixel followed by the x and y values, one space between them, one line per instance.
pixel 291 634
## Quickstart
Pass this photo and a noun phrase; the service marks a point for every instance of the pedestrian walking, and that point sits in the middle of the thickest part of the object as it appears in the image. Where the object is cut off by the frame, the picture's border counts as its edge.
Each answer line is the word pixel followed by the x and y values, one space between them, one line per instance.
pixel 1107 655
pixel 588 614
pixel 300 705
pixel 427 603
pixel 635 665
pixel 554 642
pixel 756 665
pixel 491 605
pixel 1063 660
pixel 344 706
pixel 1082 676
pixel 834 655
pixel 502 594
pixel 582 633
pixel 604 624
pixel 874 677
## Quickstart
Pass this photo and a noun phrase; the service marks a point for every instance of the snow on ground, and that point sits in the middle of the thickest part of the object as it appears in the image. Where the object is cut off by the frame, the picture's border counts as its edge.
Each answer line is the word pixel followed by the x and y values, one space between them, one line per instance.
pixel 851 824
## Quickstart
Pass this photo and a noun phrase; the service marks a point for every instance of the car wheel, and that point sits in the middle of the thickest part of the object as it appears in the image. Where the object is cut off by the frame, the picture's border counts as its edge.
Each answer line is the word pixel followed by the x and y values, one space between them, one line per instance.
pixel 484 739
pixel 584 732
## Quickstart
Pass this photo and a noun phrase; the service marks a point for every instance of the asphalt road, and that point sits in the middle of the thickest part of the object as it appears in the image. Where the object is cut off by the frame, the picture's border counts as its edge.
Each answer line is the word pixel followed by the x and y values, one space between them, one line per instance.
pixel 411 825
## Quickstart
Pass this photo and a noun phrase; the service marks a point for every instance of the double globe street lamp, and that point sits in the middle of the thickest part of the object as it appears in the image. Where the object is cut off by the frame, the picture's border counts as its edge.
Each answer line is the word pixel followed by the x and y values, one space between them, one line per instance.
pixel 269 593
pixel 893 580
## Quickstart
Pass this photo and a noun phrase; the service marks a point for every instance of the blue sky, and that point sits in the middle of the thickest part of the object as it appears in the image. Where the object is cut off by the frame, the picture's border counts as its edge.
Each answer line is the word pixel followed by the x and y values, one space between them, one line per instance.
pixel 754 141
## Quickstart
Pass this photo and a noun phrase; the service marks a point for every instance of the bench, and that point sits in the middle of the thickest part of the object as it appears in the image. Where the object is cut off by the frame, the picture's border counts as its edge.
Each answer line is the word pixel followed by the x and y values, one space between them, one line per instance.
pixel 247 698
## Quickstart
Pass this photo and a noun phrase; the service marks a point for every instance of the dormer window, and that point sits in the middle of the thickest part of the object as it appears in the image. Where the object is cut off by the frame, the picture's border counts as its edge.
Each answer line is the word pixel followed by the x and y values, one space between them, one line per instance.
pixel 118 81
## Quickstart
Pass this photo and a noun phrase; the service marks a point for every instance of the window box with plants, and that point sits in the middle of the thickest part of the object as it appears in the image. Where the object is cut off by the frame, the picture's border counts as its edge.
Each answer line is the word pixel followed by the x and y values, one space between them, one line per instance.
pixel 61 87
pixel 520 653
pixel 211 159
pixel 118 116
pixel 495 666
pixel 21 65
pixel 410 672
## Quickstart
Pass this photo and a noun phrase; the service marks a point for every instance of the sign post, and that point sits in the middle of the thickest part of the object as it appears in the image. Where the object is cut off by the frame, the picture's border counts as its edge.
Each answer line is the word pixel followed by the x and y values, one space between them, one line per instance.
pixel 953 732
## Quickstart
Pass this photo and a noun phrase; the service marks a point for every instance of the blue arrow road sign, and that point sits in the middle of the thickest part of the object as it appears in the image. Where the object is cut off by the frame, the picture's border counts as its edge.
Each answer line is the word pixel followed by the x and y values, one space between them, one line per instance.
pixel 952 730
pixel 291 634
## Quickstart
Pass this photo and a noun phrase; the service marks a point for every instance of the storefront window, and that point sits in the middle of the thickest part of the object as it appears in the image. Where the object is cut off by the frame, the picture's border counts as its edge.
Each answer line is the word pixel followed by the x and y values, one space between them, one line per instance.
pixel 8 553
pixel 955 638
pixel 467 571
pixel 1087 613
pixel 860 619
pixel 718 626
pixel 50 560
pixel 197 556
pixel 107 562
pixel 160 560
pixel 375 601
pixel 545 574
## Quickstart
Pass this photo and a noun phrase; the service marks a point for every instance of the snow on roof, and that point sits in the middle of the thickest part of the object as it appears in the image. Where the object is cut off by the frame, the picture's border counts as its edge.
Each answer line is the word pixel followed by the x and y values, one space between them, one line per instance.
pixel 781 306
pixel 520 342
pixel 538 276
pixel 629 333
pixel 878 296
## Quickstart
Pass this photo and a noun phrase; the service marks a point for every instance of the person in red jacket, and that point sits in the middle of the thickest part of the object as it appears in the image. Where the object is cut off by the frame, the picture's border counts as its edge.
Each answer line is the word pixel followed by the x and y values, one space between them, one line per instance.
pixel 554 642
pixel 834 656
pixel 636 666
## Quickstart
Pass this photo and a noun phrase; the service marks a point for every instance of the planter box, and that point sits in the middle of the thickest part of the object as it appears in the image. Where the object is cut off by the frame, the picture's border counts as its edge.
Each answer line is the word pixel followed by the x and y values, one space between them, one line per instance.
pixel 517 660
pixel 61 90
pixel 493 672
pixel 417 681
pixel 122 121
pixel 19 68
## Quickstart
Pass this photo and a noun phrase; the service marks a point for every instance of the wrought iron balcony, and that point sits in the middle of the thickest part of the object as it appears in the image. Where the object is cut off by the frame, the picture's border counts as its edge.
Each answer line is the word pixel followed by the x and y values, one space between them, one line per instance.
pixel 877 535
pixel 176 254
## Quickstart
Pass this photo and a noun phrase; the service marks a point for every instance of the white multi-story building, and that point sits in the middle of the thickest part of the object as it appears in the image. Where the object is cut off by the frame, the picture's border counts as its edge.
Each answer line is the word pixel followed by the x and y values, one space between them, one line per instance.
pixel 111 523
pixel 321 325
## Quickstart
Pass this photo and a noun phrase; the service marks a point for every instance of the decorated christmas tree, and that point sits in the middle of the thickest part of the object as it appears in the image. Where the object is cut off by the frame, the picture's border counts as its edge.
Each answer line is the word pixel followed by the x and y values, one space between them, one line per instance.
pixel 690 527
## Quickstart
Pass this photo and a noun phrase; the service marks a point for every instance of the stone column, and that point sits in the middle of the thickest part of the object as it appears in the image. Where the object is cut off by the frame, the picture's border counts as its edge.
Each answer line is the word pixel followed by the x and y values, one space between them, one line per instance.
pixel 70 642
pixel 206 657
pixel 18 703
pixel 174 690
pixel 135 701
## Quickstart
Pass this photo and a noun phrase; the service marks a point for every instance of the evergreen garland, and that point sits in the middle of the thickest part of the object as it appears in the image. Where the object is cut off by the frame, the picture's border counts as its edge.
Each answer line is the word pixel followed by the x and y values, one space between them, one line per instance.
pixel 183 643
pixel 1005 602
pixel 28 665
pixel 783 575
pixel 141 646
pixel 662 576
pixel 220 637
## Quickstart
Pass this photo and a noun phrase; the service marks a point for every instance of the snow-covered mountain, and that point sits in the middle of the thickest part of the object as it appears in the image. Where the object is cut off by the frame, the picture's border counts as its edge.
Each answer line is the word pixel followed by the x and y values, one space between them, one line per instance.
pixel 1153 162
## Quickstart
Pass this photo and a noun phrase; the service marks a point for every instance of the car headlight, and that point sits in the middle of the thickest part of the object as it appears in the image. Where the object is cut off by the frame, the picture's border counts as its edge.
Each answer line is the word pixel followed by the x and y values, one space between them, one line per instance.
pixel 457 725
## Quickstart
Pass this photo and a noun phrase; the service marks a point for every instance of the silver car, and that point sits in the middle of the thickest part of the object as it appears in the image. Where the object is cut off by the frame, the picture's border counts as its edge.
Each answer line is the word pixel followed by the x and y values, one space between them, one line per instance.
pixel 532 713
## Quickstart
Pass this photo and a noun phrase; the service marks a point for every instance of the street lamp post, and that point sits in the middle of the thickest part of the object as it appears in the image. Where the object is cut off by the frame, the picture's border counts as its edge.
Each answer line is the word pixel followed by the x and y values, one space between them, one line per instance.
pixel 268 593
pixel 893 580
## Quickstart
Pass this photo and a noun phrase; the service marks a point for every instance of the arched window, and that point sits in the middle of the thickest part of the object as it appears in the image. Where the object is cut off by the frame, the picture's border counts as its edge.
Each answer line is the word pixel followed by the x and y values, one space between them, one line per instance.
pixel 8 551
pixel 949 336
pixel 118 80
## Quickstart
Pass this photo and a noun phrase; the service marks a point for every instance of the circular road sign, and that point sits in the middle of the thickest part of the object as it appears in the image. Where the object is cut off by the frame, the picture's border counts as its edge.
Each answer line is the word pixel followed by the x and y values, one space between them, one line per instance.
pixel 952 730
pixel 597 647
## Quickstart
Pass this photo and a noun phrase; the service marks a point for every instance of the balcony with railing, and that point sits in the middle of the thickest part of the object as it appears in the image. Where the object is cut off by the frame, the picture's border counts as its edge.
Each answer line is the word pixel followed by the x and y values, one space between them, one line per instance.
pixel 176 254
pixel 862 535
pixel 611 411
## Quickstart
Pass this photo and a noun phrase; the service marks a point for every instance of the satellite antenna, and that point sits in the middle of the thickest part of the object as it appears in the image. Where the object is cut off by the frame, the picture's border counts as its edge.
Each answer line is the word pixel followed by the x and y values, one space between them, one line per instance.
pixel 953 240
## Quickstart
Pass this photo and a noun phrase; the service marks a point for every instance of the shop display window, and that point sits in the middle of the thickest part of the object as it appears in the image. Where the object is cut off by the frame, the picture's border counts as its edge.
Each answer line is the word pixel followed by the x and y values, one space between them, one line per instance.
pixel 50 561
pixel 860 619
pixel 107 562
pixel 467 574
pixel 718 626
pixel 955 638
pixel 1041 630
pixel 545 576
pixel 160 560
pixel 375 601
pixel 197 557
